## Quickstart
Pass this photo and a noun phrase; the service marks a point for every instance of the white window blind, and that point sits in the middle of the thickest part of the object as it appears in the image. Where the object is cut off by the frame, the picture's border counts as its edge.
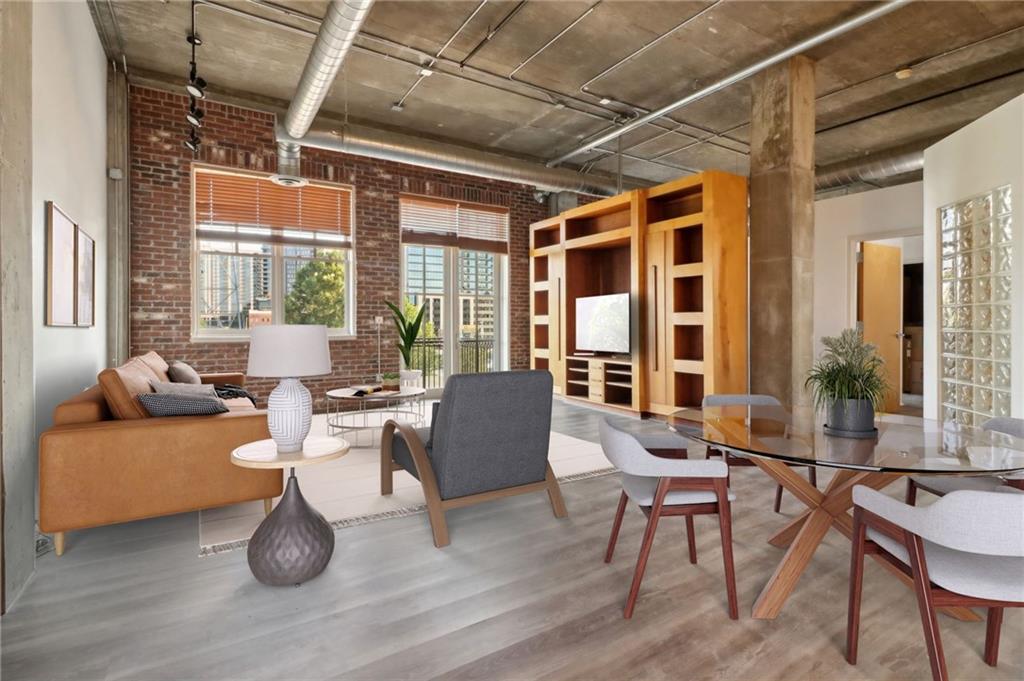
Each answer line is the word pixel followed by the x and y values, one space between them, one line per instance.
pixel 469 226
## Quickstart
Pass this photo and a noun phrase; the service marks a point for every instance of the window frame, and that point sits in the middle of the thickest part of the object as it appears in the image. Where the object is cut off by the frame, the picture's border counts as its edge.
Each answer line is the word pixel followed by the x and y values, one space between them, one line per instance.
pixel 277 269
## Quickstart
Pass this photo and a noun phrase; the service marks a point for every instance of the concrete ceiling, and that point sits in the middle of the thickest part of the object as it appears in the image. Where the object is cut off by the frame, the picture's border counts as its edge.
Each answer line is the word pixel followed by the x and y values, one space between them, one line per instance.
pixel 968 58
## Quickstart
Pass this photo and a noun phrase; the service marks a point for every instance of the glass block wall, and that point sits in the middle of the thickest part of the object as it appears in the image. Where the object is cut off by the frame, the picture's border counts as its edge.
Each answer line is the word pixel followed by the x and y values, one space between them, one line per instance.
pixel 976 274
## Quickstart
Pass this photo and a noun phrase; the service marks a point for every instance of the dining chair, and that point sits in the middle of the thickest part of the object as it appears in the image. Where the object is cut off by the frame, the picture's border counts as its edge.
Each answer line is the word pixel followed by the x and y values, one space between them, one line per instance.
pixel 940 485
pixel 966 549
pixel 668 487
pixel 734 459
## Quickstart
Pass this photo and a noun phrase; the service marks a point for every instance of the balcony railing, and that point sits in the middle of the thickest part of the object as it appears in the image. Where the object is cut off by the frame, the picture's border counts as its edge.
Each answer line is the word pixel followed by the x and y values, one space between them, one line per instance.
pixel 476 355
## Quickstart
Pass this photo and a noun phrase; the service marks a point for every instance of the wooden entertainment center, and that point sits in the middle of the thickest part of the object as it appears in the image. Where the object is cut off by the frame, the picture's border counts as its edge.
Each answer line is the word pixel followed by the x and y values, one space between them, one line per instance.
pixel 680 251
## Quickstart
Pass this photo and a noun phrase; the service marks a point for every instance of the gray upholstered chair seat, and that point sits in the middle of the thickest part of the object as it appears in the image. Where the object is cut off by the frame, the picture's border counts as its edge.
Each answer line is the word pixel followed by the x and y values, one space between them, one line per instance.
pixel 403 457
pixel 1000 578
pixel 944 484
pixel 488 438
pixel 640 490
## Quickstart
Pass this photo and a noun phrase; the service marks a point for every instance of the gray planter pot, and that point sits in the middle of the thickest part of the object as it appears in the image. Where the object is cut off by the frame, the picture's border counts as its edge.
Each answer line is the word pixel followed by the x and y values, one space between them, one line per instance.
pixel 856 417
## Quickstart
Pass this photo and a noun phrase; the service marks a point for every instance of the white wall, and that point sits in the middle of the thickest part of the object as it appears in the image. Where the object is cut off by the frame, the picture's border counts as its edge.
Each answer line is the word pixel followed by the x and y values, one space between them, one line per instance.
pixel 69 150
pixel 841 222
pixel 984 155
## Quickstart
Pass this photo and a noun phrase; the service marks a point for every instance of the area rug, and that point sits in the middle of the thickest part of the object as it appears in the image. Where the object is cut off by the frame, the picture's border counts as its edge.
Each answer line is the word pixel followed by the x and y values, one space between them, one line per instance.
pixel 347 492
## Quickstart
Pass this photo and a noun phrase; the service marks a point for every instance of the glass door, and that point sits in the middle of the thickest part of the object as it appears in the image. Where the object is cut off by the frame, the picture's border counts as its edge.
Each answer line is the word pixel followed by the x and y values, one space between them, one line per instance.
pixel 463 329
pixel 425 282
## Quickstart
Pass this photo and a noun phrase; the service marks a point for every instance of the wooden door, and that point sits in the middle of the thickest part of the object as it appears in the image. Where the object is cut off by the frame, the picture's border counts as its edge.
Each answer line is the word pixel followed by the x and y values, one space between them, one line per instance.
pixel 881 305
pixel 659 372
pixel 556 320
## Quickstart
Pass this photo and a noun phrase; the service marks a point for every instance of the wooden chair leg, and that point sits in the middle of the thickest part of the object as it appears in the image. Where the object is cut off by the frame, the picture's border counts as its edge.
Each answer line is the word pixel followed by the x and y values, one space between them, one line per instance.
pixel 438 524
pixel 555 494
pixel 992 631
pixel 387 473
pixel 911 492
pixel 725 527
pixel 645 547
pixel 616 524
pixel 778 498
pixel 856 587
pixel 268 506
pixel 58 543
pixel 691 539
pixel 929 619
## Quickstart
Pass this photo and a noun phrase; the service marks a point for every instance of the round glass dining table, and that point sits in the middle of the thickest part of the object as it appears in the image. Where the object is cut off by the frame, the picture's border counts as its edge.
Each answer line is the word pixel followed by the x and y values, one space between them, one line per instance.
pixel 775 438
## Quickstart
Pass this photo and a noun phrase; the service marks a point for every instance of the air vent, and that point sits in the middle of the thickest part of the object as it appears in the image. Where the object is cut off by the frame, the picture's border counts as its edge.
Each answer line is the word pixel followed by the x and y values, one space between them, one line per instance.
pixel 289 180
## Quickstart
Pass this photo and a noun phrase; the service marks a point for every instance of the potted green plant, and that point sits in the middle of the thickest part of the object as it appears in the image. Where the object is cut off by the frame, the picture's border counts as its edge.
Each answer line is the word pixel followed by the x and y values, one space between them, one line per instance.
pixel 390 380
pixel 848 383
pixel 408 320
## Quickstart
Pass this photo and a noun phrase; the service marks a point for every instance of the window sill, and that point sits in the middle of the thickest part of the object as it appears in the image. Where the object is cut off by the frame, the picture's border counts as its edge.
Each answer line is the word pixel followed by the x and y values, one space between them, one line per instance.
pixel 244 338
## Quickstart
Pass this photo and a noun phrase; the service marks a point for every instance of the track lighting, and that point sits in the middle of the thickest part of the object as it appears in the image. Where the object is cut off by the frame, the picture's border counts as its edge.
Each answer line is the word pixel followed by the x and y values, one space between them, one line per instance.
pixel 193 143
pixel 194 115
pixel 196 85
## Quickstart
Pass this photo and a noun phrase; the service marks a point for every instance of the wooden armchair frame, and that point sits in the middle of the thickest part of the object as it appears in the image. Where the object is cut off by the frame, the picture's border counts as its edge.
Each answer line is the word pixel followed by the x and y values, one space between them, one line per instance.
pixel 436 506
pixel 929 596
pixel 658 509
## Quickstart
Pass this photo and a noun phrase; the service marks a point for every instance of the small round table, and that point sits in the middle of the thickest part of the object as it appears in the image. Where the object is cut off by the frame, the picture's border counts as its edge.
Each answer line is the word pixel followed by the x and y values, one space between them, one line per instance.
pixel 369 412
pixel 294 543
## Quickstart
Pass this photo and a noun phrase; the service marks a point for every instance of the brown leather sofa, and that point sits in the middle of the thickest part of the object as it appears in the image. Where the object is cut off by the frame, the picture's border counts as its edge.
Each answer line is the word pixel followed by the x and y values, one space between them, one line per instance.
pixel 106 461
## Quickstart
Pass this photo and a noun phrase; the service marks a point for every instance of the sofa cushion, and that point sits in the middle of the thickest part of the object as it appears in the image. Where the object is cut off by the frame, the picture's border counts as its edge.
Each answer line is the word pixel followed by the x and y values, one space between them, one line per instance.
pixel 180 372
pixel 122 385
pixel 175 404
pixel 235 404
pixel 193 390
pixel 157 364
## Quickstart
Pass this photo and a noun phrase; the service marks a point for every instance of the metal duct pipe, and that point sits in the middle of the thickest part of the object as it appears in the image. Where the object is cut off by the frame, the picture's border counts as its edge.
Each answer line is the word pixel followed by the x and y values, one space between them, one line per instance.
pixel 392 146
pixel 337 31
pixel 869 169
pixel 792 51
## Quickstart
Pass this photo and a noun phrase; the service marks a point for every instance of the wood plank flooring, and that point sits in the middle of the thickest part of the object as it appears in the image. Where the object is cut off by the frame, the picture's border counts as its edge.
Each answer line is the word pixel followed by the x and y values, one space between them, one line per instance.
pixel 519 594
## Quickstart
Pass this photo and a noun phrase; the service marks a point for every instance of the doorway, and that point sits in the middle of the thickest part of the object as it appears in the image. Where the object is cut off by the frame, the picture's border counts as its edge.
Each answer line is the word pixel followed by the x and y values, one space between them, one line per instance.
pixel 890 313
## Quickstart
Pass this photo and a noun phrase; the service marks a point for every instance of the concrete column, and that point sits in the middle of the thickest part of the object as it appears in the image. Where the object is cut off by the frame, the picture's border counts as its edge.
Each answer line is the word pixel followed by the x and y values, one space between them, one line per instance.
pixel 17 402
pixel 118 234
pixel 782 230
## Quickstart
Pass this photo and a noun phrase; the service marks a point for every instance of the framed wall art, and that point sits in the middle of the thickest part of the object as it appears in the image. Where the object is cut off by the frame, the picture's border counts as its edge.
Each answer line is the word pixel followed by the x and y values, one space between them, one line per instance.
pixel 85 279
pixel 61 235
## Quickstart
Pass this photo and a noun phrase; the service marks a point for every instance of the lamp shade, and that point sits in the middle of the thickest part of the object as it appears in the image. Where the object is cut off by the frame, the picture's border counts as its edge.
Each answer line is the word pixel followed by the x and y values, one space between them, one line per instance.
pixel 288 351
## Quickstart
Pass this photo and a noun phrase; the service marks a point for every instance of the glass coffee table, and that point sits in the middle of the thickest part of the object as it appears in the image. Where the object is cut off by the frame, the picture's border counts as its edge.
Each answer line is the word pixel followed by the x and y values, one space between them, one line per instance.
pixel 352 415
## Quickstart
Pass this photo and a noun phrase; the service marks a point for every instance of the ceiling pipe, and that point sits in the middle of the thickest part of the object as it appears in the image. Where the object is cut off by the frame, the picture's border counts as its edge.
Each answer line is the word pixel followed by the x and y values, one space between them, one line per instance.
pixel 337 32
pixel 802 46
pixel 869 169
pixel 401 148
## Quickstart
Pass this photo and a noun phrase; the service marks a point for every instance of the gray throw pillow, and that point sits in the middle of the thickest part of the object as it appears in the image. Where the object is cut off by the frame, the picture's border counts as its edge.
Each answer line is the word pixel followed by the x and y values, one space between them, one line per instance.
pixel 190 389
pixel 171 404
pixel 180 372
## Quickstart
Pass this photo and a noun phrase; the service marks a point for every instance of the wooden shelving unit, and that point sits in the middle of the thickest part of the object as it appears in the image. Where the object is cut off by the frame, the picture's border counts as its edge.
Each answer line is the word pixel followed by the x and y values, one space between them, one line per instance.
pixel 680 250
pixel 696 303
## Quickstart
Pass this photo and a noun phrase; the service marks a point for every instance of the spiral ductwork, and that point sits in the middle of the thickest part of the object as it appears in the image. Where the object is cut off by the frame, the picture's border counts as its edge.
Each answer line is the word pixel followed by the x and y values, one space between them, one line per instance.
pixel 337 32
pixel 869 169
pixel 393 146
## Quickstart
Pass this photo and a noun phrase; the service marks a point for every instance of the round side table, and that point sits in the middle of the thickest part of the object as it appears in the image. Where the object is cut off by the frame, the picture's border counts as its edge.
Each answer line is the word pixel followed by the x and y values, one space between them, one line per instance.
pixel 349 414
pixel 294 543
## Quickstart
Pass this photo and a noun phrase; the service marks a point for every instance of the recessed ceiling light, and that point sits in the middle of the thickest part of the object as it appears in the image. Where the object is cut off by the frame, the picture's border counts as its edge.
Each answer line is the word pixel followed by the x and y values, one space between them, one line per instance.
pixel 605 101
pixel 397 107
pixel 426 72
pixel 903 74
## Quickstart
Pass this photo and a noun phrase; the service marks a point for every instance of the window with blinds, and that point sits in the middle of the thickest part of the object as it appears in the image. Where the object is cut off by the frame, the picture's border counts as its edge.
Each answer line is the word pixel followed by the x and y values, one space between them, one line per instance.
pixel 237 207
pixel 469 226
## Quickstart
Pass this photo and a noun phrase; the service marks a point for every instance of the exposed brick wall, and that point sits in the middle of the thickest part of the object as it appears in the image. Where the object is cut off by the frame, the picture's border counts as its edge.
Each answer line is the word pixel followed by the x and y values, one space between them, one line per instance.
pixel 161 293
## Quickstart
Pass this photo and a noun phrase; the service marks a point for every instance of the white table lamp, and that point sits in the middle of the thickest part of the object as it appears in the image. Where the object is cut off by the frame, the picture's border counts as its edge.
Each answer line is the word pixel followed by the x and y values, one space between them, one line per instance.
pixel 289 352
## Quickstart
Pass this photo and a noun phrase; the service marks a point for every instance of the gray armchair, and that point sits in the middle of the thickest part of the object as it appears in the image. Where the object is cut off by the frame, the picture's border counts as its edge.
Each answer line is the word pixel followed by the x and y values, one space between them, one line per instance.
pixel 488 438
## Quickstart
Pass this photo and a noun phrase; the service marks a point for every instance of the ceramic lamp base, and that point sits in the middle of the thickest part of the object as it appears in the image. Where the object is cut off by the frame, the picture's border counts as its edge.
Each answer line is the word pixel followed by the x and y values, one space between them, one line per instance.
pixel 289 415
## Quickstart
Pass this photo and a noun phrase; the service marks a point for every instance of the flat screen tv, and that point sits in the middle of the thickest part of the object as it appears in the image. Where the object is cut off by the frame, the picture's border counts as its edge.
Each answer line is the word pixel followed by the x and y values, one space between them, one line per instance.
pixel 602 323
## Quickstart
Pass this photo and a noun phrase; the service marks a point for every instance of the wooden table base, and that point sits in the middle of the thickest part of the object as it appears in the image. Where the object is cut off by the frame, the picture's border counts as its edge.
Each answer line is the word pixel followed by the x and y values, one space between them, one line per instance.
pixel 802 536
